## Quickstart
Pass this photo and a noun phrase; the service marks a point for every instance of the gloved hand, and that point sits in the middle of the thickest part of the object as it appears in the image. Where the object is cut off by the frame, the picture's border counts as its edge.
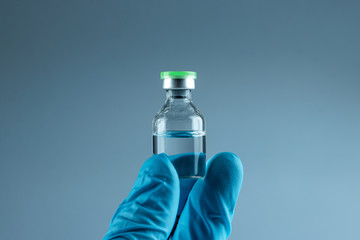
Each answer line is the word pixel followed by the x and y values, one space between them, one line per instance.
pixel 160 206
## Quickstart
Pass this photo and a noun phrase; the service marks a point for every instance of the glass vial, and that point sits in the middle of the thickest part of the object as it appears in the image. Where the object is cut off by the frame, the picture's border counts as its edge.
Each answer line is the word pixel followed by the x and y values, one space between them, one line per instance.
pixel 179 127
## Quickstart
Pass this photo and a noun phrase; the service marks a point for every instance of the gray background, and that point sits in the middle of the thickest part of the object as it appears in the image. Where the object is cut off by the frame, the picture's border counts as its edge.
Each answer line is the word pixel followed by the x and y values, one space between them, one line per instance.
pixel 278 84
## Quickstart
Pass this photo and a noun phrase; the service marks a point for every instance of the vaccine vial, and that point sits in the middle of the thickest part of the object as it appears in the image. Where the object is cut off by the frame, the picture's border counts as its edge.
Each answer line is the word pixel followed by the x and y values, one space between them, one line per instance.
pixel 179 128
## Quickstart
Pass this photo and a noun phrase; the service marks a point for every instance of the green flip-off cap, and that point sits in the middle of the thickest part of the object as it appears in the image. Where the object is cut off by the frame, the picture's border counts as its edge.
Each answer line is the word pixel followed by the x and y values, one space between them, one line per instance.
pixel 178 74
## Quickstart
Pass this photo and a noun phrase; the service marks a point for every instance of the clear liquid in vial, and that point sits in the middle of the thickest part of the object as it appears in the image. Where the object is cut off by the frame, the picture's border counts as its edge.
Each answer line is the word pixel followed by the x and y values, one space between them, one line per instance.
pixel 189 165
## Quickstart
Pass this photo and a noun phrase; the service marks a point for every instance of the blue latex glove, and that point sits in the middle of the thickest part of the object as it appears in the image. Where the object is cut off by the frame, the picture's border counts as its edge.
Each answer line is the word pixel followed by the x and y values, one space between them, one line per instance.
pixel 160 206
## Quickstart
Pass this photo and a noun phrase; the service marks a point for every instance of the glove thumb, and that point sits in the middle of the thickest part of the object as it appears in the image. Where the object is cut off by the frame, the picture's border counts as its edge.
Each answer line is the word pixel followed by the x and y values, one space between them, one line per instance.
pixel 149 212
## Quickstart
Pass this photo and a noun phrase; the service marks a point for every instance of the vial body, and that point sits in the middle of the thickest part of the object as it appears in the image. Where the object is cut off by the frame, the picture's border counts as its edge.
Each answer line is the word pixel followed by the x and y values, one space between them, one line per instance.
pixel 176 142
pixel 179 128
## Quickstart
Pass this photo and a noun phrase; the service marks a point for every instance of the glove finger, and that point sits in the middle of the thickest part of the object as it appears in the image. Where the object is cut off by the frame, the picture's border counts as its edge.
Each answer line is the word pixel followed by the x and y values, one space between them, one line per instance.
pixel 210 206
pixel 149 212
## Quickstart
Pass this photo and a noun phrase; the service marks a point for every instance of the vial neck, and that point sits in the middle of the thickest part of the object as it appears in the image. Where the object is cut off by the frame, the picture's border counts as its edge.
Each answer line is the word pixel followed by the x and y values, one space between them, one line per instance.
pixel 174 94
